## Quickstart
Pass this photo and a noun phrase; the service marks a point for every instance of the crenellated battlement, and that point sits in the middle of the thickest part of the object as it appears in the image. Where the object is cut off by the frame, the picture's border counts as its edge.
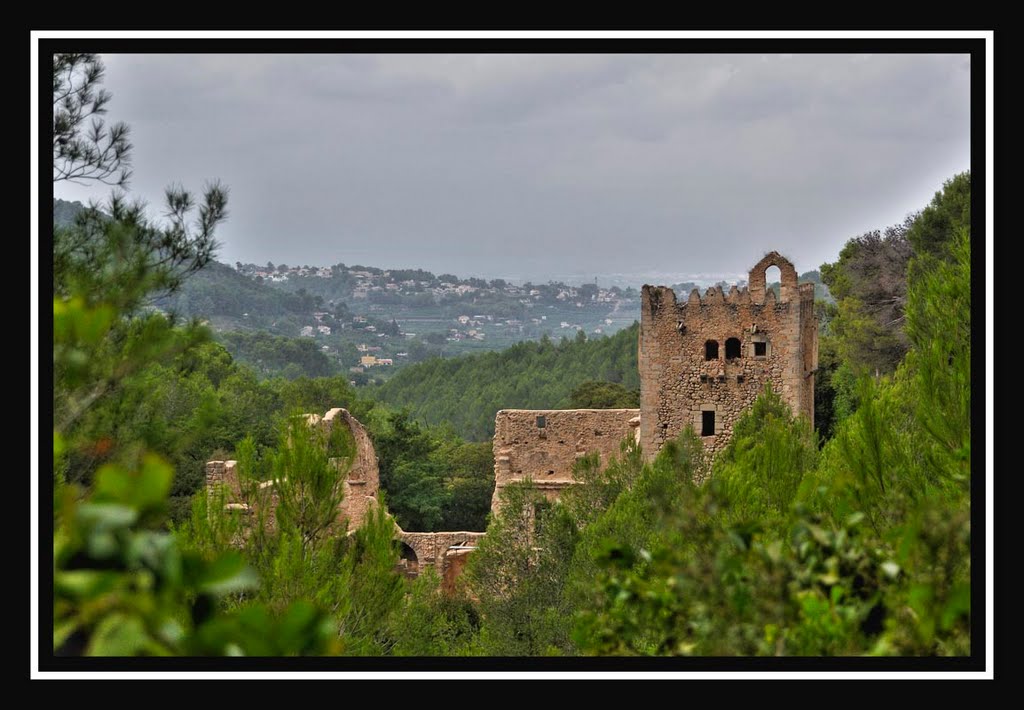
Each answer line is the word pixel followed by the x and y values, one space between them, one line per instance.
pixel 715 296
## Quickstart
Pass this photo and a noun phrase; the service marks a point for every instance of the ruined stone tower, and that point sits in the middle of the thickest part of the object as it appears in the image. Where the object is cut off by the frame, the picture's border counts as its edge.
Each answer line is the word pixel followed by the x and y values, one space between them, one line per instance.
pixel 705 360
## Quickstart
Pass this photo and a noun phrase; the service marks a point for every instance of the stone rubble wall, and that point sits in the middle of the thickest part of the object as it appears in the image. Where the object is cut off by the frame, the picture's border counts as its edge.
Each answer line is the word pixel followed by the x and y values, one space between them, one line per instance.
pixel 546 454
pixel 432 548
pixel 363 480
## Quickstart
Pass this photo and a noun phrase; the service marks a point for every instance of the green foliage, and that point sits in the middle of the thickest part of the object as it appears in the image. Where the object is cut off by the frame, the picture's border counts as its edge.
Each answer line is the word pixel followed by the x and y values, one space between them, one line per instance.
pixel 307 482
pixel 434 480
pixel 518 574
pixel 601 486
pixel 469 483
pixel 603 395
pixel 909 438
pixel 118 256
pixel 835 388
pixel 937 225
pixel 375 592
pixel 869 283
pixel 467 391
pixel 761 469
pixel 271 355
pixel 99 152
pixel 933 605
pixel 939 325
pixel 124 588
pixel 868 331
pixel 702 585
pixel 301 553
pixel 435 623
pixel 631 519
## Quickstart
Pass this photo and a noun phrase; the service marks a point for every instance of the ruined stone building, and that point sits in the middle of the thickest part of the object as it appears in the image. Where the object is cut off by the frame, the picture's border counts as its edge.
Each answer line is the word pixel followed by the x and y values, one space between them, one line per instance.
pixel 361 484
pixel 702 362
pixel 543 444
pixel 444 550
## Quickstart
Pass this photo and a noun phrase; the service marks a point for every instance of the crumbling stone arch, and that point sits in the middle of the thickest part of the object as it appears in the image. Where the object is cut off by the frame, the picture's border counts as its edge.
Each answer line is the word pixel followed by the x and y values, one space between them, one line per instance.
pixel 756 279
pixel 432 549
pixel 408 560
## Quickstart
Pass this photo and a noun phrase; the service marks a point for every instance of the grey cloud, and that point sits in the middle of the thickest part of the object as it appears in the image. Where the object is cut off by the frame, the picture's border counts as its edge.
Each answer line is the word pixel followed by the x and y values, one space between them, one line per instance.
pixel 548 164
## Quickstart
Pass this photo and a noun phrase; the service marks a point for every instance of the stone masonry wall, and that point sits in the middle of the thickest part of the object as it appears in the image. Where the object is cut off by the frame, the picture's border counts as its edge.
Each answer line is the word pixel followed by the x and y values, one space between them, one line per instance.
pixel 678 384
pixel 363 480
pixel 543 444
pixel 435 548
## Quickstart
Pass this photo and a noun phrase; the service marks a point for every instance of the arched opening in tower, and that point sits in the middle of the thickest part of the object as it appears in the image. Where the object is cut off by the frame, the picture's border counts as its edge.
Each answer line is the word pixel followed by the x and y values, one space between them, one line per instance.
pixel 711 350
pixel 408 562
pixel 732 349
pixel 773 280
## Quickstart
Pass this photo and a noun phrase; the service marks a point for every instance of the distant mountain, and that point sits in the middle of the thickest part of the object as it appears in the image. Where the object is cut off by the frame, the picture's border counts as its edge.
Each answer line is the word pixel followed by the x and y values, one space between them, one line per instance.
pixel 64 212
pixel 219 290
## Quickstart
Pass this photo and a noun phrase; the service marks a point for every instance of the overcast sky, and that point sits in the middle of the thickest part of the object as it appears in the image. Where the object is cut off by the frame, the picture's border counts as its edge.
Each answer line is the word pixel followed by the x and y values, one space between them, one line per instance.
pixel 541 166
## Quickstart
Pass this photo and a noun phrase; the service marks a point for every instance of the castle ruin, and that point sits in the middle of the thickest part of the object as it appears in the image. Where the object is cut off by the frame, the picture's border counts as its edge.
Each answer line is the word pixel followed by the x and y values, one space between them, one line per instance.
pixel 702 363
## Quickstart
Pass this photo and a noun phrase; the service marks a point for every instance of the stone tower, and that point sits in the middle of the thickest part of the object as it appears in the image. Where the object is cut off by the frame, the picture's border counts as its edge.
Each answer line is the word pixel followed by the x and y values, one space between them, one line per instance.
pixel 704 361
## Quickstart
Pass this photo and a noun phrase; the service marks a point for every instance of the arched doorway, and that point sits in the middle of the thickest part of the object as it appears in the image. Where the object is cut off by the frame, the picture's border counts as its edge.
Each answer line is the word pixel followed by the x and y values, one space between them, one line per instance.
pixel 408 561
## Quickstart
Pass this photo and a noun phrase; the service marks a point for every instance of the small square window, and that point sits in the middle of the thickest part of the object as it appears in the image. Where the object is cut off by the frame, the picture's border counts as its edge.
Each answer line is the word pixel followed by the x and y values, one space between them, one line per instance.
pixel 760 349
pixel 707 423
pixel 541 422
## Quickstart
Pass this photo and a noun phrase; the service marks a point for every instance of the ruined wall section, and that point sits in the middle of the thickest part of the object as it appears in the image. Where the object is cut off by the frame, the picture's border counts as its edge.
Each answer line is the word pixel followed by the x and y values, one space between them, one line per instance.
pixel 363 480
pixel 682 383
pixel 543 444
pixel 361 483
pixel 809 348
pixel 436 549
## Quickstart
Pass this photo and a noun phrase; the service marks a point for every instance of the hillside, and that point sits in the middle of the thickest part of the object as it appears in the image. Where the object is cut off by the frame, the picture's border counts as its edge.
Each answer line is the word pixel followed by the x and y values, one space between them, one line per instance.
pixel 468 391
pixel 64 212
pixel 219 290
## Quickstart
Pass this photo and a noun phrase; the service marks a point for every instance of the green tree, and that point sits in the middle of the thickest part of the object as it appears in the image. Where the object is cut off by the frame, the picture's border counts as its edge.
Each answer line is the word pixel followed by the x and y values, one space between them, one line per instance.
pixel 308 480
pixel 603 395
pixel 935 228
pixel 869 283
pixel 760 471
pixel 518 573
pixel 97 152
pixel 122 586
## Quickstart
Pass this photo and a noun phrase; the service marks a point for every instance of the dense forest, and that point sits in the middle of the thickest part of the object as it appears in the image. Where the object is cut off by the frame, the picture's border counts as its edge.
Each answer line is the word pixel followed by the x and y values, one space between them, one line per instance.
pixel 219 290
pixel 467 391
pixel 849 536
